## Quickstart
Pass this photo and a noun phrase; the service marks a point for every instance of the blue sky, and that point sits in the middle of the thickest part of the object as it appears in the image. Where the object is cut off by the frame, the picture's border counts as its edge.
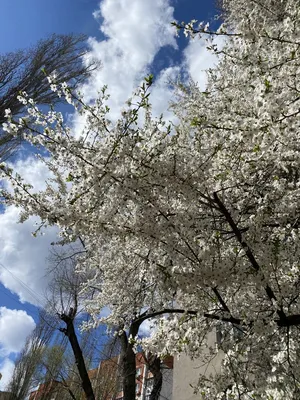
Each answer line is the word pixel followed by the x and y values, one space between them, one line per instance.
pixel 22 23
pixel 135 38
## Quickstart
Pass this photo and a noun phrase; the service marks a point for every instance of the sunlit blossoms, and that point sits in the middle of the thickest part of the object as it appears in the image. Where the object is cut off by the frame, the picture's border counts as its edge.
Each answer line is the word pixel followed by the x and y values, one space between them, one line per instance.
pixel 198 223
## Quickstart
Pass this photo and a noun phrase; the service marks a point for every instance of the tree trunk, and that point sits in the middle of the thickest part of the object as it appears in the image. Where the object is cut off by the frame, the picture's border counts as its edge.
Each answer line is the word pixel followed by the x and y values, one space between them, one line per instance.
pixel 69 331
pixel 154 365
pixel 128 368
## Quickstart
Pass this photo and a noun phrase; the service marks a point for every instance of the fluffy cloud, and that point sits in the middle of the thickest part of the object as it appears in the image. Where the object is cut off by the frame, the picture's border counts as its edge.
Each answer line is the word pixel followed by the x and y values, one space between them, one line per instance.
pixel 129 48
pixel 135 31
pixel 198 60
pixel 162 92
pixel 6 370
pixel 15 326
pixel 23 257
pixel 23 263
pixel 33 171
pixel 146 328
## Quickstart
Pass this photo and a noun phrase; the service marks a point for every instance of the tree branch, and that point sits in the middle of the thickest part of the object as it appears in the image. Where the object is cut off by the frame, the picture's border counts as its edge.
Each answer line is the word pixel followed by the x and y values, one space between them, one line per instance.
pixel 247 250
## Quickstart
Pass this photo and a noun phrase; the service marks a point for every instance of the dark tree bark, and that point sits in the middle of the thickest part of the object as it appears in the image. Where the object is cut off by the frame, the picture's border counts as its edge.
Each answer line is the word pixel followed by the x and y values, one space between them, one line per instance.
pixel 128 363
pixel 154 365
pixel 69 331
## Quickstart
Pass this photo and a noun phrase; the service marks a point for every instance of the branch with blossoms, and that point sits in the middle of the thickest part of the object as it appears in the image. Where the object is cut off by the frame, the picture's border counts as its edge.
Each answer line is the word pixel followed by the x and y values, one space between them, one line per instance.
pixel 292 320
pixel 202 29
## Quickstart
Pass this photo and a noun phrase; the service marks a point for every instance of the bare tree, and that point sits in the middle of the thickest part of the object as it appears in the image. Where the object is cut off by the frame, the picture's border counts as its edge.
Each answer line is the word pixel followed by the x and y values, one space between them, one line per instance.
pixel 55 375
pixel 106 382
pixel 65 300
pixel 24 71
pixel 46 360
pixel 29 360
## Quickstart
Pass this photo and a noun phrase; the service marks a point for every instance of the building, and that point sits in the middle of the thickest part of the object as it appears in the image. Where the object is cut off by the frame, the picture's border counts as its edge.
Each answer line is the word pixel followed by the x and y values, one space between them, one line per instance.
pixel 107 383
pixel 187 372
pixel 144 380
pixel 5 395
pixel 50 390
pixel 104 379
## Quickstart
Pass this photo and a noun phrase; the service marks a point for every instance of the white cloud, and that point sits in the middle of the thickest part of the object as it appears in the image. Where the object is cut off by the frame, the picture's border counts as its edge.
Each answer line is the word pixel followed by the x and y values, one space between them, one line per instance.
pixel 6 370
pixel 146 328
pixel 135 31
pixel 33 171
pixel 15 326
pixel 162 92
pixel 198 59
pixel 23 257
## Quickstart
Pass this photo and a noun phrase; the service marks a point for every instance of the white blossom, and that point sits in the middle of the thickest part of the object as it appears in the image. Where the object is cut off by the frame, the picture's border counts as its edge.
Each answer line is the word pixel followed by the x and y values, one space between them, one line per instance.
pixel 202 218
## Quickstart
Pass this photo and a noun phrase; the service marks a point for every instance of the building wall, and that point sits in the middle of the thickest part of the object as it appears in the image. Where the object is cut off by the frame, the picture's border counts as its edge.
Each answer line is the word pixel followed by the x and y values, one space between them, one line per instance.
pixel 167 383
pixel 167 386
pixel 47 390
pixel 186 372
pixel 104 379
pixel 144 376
pixel 5 396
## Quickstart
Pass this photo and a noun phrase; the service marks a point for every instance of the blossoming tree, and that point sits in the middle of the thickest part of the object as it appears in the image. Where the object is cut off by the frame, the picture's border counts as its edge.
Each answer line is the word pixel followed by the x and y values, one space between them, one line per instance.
pixel 196 225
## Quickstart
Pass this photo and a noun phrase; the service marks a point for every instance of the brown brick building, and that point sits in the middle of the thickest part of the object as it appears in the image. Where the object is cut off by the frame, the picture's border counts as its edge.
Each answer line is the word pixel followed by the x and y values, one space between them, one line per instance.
pixel 107 383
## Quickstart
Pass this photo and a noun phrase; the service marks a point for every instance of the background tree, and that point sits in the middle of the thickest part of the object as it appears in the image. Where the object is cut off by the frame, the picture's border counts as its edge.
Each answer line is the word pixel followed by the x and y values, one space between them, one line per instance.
pixel 67 285
pixel 24 71
pixel 106 383
pixel 53 372
pixel 29 361
pixel 65 301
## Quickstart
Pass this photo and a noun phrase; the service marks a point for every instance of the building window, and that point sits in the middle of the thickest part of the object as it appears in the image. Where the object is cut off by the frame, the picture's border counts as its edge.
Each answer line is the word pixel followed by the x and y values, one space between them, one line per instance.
pixel 148 389
pixel 219 334
pixel 137 388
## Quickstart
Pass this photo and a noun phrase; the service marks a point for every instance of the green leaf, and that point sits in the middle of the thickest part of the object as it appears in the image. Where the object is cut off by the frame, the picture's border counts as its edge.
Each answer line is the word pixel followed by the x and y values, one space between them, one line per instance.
pixel 149 79
pixel 267 85
pixel 195 122
pixel 70 178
